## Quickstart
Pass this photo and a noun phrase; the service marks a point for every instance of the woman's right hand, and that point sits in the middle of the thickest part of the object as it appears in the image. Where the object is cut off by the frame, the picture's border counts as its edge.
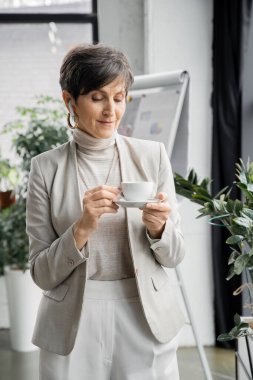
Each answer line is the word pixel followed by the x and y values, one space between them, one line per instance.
pixel 96 202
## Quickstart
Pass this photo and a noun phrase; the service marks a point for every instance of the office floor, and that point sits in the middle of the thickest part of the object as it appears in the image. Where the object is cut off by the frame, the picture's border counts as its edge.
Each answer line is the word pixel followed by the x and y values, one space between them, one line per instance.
pixel 23 366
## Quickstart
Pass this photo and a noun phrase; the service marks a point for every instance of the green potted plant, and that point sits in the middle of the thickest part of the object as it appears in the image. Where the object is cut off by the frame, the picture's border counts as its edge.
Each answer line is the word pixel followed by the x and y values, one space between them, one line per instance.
pixel 236 215
pixel 38 129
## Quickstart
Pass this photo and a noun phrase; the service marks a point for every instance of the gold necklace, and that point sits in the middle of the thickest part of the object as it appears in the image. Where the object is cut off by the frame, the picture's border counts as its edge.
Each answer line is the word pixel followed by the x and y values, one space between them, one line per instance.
pixel 108 174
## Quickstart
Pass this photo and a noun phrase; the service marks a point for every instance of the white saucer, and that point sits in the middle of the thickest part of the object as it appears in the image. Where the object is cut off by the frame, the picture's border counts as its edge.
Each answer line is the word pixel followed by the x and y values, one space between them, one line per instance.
pixel 138 204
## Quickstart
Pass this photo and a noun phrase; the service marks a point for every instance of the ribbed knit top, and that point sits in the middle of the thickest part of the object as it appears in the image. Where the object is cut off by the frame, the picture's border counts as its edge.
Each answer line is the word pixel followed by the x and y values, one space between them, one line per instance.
pixel 110 257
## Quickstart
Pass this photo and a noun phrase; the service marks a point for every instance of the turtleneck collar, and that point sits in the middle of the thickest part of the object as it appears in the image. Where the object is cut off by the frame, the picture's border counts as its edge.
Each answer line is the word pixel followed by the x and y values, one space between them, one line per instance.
pixel 86 141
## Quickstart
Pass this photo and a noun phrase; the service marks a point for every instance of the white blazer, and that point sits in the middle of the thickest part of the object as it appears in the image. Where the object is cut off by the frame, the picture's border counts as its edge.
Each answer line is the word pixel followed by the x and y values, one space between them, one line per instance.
pixel 60 269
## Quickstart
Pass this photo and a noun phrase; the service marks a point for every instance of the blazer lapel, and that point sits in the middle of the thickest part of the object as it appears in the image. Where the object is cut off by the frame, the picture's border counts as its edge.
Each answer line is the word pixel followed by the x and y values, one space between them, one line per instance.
pixel 67 205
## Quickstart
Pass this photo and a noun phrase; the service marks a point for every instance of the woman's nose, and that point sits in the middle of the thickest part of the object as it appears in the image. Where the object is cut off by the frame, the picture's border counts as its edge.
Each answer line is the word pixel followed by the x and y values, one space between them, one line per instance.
pixel 109 108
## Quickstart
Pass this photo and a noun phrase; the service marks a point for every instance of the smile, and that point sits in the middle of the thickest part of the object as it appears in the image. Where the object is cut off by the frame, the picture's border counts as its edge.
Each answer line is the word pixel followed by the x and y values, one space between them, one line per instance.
pixel 106 122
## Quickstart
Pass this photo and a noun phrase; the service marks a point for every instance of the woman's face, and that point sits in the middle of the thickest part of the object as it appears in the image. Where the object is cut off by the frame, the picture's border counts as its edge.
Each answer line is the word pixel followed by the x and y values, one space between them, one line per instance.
pixel 100 111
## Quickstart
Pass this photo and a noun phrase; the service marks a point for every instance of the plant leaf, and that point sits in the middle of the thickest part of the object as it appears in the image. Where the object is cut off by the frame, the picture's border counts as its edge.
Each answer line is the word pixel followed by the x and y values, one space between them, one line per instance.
pixel 230 274
pixel 244 222
pixel 237 319
pixel 240 263
pixel 248 213
pixel 234 239
pixel 233 256
pixel 225 337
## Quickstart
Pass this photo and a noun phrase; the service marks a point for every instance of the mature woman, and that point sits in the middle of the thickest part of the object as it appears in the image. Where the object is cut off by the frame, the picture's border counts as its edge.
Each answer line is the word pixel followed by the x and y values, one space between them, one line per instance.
pixel 108 310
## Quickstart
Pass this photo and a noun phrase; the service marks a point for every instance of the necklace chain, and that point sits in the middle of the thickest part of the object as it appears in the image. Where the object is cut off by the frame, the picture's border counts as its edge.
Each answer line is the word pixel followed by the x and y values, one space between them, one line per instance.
pixel 108 174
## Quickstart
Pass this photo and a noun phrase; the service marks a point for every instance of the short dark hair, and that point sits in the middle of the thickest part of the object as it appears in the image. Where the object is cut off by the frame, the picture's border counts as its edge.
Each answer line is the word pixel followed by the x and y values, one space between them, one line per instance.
pixel 88 67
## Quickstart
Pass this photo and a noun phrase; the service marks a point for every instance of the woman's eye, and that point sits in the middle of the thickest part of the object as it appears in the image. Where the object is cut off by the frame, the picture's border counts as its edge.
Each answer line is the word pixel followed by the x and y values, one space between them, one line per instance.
pixel 97 97
pixel 118 100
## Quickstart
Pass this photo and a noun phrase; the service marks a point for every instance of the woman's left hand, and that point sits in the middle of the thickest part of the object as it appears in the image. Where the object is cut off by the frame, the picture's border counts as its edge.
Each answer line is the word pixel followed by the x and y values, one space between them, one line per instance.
pixel 155 216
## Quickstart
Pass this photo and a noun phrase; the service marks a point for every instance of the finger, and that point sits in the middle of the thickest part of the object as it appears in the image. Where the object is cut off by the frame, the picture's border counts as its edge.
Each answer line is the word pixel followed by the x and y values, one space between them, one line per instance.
pixel 101 203
pixel 99 211
pixel 155 216
pixel 107 210
pixel 112 189
pixel 162 196
pixel 102 194
pixel 162 207
pixel 162 217
pixel 153 220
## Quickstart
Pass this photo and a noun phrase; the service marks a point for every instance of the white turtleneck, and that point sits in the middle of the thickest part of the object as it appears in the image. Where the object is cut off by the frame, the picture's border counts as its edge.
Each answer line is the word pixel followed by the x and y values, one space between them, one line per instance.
pixel 109 256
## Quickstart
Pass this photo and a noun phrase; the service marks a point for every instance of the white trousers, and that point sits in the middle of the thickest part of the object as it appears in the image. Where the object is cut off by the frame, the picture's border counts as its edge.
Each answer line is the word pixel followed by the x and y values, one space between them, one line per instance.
pixel 114 341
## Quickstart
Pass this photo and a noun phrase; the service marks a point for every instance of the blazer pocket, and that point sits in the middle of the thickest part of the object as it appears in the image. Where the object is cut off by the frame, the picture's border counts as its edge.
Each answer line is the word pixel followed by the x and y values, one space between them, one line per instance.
pixel 57 294
pixel 159 278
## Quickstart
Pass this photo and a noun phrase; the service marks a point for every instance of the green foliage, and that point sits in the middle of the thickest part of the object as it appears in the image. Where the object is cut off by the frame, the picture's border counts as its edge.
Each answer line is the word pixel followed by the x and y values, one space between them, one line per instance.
pixel 239 330
pixel 234 214
pixel 8 175
pixel 189 188
pixel 37 129
pixel 14 240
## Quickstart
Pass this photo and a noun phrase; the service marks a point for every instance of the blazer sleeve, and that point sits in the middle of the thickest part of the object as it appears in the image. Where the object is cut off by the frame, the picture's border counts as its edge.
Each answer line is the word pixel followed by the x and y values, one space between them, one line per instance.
pixel 169 250
pixel 52 257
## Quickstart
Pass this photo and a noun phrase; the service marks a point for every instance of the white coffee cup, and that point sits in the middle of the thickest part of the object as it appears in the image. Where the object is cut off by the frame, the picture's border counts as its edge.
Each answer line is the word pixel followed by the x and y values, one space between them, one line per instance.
pixel 137 191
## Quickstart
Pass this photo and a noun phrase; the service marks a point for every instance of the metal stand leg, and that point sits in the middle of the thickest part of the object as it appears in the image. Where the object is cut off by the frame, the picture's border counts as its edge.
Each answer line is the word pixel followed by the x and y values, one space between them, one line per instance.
pixel 202 354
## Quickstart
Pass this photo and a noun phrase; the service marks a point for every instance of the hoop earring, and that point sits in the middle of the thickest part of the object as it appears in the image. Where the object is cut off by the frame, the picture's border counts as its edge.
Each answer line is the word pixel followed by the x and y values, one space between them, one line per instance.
pixel 69 122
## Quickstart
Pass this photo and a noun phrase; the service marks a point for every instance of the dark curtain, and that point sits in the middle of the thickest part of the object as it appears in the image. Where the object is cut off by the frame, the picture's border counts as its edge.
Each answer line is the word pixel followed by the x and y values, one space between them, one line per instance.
pixel 229 25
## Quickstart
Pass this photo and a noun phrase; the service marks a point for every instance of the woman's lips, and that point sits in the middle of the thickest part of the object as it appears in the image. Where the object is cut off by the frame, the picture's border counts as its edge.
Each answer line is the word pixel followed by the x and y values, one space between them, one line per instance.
pixel 105 122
